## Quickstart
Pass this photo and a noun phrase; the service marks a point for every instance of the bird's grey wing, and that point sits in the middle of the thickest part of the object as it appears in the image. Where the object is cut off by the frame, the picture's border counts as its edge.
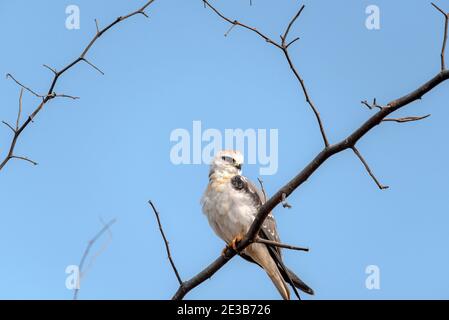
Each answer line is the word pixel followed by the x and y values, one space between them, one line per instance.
pixel 269 228
pixel 243 184
pixel 268 231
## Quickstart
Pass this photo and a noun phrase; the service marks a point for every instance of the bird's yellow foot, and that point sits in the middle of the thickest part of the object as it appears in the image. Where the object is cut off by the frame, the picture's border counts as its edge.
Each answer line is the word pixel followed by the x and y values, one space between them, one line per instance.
pixel 233 244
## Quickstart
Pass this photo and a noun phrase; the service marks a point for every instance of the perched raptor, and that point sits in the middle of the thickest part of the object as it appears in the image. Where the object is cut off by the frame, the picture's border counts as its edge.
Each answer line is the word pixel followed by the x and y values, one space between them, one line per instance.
pixel 230 203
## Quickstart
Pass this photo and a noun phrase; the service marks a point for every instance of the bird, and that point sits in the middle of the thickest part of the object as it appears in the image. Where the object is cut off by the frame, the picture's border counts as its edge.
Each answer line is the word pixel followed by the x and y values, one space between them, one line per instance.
pixel 230 203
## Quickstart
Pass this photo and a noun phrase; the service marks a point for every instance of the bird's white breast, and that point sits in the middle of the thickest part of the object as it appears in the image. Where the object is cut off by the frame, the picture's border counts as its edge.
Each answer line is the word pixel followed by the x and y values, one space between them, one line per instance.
pixel 230 212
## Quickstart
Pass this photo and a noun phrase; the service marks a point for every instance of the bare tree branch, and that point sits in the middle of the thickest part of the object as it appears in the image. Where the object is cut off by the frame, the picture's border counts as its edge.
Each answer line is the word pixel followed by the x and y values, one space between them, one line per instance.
pixel 57 74
pixel 278 244
pixel 19 113
pixel 87 250
pixel 446 25
pixel 328 151
pixel 50 68
pixel 25 159
pixel 10 76
pixel 262 187
pixel 167 245
pixel 283 46
pixel 406 119
pixel 373 105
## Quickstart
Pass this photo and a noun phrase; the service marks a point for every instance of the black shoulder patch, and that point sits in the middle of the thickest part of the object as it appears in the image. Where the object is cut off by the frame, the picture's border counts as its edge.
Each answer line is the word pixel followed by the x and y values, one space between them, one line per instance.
pixel 242 184
pixel 238 182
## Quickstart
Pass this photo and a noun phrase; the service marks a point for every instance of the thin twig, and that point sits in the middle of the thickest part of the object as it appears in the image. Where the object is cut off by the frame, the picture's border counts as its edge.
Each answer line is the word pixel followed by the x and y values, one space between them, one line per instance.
pixel 280 245
pixel 96 26
pixel 167 245
pixel 291 42
pixel 372 105
pixel 296 16
pixel 25 159
pixel 8 75
pixel 19 113
pixel 93 66
pixel 102 249
pixel 406 119
pixel 56 95
pixel 262 187
pixel 87 250
pixel 359 155
pixel 446 25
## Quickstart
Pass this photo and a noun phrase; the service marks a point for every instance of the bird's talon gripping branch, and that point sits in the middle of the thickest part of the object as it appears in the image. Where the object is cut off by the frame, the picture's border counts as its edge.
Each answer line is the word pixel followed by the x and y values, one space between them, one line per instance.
pixel 235 242
pixel 232 245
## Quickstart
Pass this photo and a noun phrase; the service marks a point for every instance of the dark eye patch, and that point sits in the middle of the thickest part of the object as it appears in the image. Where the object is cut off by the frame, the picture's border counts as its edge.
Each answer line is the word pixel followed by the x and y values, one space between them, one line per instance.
pixel 228 159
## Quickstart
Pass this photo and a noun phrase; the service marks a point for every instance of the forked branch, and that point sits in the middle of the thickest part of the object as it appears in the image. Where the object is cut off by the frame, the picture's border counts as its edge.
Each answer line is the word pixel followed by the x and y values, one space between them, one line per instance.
pixel 283 45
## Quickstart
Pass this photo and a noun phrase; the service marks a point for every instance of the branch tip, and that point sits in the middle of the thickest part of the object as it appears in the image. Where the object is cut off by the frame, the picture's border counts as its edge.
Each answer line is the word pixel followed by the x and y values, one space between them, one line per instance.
pixel 167 246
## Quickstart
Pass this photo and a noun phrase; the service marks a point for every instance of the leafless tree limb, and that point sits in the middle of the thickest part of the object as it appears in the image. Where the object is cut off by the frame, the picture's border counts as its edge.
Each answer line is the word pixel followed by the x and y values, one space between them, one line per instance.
pixel 283 46
pixel 87 250
pixel 167 245
pixel 373 105
pixel 328 151
pixel 19 113
pixel 57 74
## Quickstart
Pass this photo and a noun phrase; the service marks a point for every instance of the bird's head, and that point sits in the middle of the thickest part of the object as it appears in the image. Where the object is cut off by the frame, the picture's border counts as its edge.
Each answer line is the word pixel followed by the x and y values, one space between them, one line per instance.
pixel 227 162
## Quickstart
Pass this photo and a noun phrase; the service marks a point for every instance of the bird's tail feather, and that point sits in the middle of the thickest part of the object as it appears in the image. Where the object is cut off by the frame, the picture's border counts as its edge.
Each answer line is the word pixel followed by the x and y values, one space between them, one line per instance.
pixel 279 282
pixel 259 253
pixel 297 281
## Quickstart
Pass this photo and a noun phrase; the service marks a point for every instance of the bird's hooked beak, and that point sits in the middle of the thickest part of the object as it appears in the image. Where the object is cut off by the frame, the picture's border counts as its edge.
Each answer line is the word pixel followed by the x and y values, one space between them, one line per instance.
pixel 239 166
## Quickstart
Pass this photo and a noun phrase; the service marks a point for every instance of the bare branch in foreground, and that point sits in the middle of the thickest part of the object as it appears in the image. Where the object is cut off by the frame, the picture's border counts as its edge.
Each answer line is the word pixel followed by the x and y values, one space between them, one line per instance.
pixel 167 245
pixel 326 153
pixel 57 74
pixel 87 250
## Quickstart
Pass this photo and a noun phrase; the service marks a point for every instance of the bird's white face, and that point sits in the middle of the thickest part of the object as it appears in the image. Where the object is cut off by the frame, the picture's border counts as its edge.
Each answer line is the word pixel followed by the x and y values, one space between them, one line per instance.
pixel 227 162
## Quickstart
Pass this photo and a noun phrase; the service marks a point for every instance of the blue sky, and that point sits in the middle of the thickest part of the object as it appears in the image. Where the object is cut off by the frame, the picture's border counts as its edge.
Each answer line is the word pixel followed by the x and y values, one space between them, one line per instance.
pixel 105 155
